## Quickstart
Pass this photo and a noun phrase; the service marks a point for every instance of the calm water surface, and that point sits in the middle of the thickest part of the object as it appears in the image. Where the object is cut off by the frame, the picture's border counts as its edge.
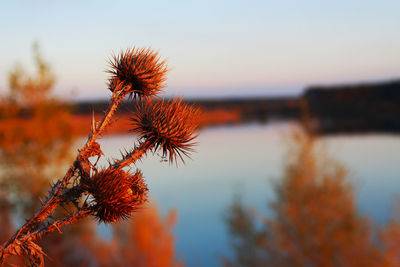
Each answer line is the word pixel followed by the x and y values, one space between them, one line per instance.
pixel 246 159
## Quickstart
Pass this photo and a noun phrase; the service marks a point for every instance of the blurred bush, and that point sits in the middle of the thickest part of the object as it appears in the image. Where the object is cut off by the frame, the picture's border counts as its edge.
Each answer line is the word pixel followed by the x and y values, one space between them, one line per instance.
pixel 145 240
pixel 35 139
pixel 315 221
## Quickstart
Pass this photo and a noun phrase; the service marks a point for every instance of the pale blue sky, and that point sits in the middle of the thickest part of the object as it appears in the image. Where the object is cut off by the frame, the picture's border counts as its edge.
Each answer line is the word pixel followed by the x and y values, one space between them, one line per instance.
pixel 215 48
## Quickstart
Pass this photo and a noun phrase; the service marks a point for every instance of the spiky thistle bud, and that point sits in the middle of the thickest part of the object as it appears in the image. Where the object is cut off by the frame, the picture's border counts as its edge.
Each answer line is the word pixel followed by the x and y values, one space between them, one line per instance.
pixel 167 125
pixel 138 72
pixel 116 193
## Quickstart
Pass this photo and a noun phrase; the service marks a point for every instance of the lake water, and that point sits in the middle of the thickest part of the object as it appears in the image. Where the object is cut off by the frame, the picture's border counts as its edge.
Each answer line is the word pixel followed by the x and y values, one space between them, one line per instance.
pixel 244 159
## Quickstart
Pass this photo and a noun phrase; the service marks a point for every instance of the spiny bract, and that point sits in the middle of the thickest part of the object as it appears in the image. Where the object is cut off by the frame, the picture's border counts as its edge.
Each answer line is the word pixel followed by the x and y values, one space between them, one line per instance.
pixel 138 72
pixel 167 125
pixel 117 194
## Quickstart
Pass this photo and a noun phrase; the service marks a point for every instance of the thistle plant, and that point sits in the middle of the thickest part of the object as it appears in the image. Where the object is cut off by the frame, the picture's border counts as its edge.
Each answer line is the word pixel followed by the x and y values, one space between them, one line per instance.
pixel 115 192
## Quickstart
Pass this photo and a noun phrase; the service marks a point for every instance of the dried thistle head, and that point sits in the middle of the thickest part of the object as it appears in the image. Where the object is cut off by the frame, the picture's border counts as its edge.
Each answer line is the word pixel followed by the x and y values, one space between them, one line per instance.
pixel 117 194
pixel 167 125
pixel 138 72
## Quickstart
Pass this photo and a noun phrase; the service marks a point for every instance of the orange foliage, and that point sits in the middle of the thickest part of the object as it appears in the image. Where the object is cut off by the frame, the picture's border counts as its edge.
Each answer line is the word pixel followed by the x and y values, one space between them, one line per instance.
pixel 315 220
pixel 78 124
pixel 123 124
pixel 145 240
pixel 37 144
pixel 316 216
pixel 150 237
pixel 220 116
pixel 390 237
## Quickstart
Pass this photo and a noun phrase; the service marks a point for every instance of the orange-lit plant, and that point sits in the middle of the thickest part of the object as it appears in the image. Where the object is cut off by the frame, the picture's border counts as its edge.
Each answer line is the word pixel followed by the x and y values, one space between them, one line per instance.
pixel 112 194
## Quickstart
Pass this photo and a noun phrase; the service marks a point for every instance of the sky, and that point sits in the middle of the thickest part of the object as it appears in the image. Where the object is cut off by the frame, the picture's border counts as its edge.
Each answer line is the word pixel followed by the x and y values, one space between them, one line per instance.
pixel 214 48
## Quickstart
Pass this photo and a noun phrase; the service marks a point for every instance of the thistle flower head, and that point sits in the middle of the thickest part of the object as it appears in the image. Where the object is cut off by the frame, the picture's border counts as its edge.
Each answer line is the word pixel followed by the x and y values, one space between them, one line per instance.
pixel 117 194
pixel 167 125
pixel 138 72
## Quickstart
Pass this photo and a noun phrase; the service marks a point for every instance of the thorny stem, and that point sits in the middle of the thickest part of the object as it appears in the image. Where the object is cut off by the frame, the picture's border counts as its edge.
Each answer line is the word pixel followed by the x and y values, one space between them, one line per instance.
pixel 134 155
pixel 57 225
pixel 56 194
pixel 147 69
pixel 104 122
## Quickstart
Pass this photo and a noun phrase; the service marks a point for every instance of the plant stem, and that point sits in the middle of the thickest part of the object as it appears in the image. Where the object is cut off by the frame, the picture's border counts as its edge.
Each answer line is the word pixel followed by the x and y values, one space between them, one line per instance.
pixel 55 195
pixel 12 248
pixel 134 155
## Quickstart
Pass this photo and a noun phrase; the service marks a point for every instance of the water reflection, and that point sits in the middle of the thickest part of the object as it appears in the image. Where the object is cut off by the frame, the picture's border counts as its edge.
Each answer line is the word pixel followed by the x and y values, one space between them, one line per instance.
pixel 247 158
pixel 241 157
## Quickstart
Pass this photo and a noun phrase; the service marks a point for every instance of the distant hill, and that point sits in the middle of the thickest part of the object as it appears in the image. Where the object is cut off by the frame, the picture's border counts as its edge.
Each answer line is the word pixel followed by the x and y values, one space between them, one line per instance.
pixel 346 108
pixel 363 107
pixel 251 109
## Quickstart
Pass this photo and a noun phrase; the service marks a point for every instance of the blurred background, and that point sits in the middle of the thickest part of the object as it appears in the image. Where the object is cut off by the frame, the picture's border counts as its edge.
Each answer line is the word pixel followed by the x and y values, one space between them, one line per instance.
pixel 299 147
